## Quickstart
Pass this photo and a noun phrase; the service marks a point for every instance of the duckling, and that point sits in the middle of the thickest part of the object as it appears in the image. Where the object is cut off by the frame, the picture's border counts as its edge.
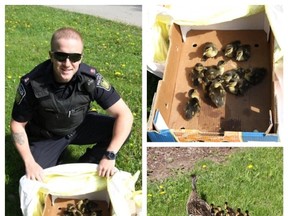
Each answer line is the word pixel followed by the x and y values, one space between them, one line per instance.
pixel 238 212
pixel 217 93
pixel 237 86
pixel 193 105
pixel 246 213
pixel 195 205
pixel 230 49
pixel 229 210
pixel 229 75
pixel 210 51
pixel 75 212
pixel 198 74
pixel 243 53
pixel 254 75
pixel 214 71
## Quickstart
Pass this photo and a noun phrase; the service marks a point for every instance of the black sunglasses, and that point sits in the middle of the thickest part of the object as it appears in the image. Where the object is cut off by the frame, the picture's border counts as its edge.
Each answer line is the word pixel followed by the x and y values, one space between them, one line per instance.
pixel 61 56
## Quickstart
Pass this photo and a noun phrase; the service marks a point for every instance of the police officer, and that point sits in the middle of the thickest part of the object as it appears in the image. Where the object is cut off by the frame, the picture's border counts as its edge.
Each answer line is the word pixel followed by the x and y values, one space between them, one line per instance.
pixel 51 110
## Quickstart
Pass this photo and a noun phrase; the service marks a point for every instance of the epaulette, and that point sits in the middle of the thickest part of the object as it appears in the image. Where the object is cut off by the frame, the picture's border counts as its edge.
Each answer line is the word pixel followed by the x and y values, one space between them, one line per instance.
pixel 88 70
pixel 37 71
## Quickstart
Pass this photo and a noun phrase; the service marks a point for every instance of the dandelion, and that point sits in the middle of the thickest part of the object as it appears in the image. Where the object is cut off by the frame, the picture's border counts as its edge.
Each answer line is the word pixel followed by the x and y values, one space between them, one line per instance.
pixel 250 166
pixel 117 73
pixel 161 186
pixel 204 166
pixel 162 192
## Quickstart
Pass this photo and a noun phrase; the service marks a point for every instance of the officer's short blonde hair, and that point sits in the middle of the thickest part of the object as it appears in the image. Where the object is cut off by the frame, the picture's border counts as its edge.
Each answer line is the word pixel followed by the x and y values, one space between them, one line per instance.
pixel 65 32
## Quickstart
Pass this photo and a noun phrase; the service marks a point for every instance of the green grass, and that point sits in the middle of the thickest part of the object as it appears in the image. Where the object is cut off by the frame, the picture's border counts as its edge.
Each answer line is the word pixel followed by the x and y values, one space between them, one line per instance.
pixel 251 178
pixel 115 49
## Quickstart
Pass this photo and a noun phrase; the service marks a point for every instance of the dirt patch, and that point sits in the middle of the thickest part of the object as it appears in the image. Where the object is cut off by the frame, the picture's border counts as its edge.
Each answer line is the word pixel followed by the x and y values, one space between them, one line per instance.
pixel 163 162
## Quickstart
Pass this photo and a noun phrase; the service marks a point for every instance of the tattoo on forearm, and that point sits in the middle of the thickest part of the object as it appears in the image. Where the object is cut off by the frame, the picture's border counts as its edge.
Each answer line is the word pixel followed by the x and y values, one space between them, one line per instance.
pixel 19 138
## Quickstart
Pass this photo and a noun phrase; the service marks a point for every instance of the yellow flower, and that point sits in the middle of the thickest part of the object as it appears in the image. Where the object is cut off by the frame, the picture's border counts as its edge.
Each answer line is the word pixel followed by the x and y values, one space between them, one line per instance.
pixel 161 186
pixel 162 192
pixel 204 166
pixel 250 166
pixel 9 76
pixel 117 73
pixel 149 195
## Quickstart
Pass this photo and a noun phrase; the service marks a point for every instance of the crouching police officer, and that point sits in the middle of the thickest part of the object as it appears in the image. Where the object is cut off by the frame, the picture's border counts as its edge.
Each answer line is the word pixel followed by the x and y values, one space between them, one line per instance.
pixel 51 110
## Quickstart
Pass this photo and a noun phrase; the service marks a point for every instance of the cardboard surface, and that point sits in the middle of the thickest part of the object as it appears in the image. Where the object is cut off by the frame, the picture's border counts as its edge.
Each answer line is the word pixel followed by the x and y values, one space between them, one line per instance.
pixel 240 113
pixel 60 205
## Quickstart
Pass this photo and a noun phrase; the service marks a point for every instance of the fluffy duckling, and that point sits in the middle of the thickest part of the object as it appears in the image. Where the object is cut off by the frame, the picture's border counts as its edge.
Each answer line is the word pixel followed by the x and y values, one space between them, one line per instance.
pixel 210 51
pixel 193 105
pixel 217 93
pixel 198 74
pixel 229 75
pixel 214 71
pixel 195 205
pixel 237 86
pixel 238 212
pixel 243 53
pixel 229 210
pixel 230 49
pixel 254 75
pixel 246 213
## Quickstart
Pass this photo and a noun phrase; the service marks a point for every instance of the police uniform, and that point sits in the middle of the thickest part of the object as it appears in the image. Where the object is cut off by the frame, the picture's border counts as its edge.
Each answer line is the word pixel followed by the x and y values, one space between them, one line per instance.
pixel 58 114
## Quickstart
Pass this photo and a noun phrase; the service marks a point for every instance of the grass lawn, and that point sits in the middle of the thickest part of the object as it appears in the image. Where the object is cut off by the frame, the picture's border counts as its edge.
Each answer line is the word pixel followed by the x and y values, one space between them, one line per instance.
pixel 251 178
pixel 115 49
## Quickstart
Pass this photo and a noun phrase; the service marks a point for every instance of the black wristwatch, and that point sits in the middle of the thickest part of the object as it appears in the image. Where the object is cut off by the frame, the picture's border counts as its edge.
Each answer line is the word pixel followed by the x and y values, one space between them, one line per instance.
pixel 110 155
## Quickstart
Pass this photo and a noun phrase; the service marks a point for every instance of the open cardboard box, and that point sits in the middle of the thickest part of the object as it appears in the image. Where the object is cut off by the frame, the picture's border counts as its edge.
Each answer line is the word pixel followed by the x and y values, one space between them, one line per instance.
pixel 251 117
pixel 58 205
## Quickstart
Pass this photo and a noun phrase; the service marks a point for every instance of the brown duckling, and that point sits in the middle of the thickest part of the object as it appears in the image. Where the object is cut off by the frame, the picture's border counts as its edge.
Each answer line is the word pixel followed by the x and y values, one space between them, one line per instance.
pixel 243 53
pixel 193 105
pixel 238 212
pixel 246 213
pixel 230 49
pixel 210 51
pixel 214 71
pixel 230 211
pixel 198 74
pixel 255 75
pixel 217 93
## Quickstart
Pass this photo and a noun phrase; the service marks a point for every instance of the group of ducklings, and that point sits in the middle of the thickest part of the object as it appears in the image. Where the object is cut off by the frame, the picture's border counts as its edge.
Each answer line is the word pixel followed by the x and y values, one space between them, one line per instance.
pixel 235 50
pixel 216 82
pixel 227 211
pixel 83 207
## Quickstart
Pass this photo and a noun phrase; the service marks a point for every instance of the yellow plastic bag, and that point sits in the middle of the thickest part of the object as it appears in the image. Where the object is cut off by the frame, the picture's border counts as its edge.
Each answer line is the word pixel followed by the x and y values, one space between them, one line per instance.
pixel 75 181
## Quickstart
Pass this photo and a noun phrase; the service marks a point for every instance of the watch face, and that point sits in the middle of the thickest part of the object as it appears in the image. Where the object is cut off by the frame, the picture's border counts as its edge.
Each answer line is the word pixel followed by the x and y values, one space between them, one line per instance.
pixel 110 155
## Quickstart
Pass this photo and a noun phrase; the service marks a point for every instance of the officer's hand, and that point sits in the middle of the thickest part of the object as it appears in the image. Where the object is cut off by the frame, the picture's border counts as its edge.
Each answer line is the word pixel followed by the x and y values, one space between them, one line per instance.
pixel 106 167
pixel 34 171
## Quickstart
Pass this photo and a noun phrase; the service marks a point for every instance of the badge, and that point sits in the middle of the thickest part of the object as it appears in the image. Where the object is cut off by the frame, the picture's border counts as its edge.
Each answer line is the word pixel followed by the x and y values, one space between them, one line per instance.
pixel 103 83
pixel 20 94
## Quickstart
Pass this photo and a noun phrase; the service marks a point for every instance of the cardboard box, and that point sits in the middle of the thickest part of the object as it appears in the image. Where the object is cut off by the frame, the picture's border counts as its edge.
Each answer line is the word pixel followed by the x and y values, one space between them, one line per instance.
pixel 251 117
pixel 56 205
pixel 59 206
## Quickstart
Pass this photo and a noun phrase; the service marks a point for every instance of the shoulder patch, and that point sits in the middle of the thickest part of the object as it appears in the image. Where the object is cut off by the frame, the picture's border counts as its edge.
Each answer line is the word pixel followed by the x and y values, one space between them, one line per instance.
pixel 20 94
pixel 102 82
